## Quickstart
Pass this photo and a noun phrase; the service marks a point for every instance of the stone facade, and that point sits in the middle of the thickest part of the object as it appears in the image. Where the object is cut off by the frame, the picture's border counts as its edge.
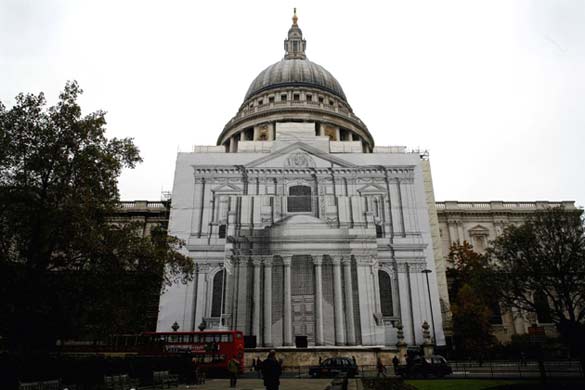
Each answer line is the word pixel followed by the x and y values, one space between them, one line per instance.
pixel 147 215
pixel 479 223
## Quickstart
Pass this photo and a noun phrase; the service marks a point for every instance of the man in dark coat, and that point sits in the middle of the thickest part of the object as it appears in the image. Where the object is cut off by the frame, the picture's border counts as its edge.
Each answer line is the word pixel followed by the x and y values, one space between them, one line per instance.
pixel 271 370
pixel 395 363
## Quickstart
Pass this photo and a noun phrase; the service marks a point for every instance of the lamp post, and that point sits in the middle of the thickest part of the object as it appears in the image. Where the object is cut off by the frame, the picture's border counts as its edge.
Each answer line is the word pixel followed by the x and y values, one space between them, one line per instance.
pixel 427 272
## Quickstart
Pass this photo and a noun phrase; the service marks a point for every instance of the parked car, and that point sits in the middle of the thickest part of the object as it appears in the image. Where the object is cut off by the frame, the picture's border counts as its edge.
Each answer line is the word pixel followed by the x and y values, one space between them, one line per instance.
pixel 435 366
pixel 330 368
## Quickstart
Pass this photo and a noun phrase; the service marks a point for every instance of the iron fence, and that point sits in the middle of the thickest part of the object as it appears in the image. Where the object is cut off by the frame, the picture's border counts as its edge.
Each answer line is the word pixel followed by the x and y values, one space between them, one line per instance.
pixel 511 369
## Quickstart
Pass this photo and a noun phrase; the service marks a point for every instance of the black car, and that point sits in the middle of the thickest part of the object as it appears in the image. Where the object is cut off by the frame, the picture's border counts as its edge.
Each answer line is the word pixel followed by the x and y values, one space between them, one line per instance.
pixel 435 366
pixel 330 368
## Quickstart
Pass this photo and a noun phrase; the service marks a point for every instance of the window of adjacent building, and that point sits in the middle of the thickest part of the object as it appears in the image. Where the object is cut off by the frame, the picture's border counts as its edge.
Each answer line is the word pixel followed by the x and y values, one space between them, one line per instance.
pixel 385 293
pixel 271 99
pixel 309 98
pixel 496 318
pixel 299 199
pixel 296 97
pixel 379 231
pixel 221 231
pixel 216 299
pixel 321 99
pixel 330 102
pixel 542 308
pixel 479 242
pixel 343 135
pixel 283 98
pixel 260 101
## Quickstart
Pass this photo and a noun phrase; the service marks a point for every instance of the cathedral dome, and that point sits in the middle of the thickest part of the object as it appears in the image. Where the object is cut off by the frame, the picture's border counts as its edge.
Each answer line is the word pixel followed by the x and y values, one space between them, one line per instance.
pixel 292 73
pixel 294 89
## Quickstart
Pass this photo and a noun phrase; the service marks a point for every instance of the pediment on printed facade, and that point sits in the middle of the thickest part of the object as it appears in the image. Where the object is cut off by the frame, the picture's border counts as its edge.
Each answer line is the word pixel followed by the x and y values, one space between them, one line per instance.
pixel 371 189
pixel 226 188
pixel 299 155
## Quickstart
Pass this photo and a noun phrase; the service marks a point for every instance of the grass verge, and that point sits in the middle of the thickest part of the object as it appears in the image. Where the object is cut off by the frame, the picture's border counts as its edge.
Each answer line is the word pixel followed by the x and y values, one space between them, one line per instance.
pixel 456 384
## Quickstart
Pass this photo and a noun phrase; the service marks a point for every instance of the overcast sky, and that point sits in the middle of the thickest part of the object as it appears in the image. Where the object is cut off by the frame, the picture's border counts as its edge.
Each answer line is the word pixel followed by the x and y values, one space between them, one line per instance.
pixel 495 90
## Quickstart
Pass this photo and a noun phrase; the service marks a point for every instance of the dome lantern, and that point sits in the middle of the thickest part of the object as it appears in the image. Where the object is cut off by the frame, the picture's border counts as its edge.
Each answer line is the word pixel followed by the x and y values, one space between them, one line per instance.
pixel 295 45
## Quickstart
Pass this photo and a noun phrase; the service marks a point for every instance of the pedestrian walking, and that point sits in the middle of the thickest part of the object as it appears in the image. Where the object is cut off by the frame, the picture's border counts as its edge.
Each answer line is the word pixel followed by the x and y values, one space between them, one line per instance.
pixel 380 368
pixel 258 367
pixel 271 371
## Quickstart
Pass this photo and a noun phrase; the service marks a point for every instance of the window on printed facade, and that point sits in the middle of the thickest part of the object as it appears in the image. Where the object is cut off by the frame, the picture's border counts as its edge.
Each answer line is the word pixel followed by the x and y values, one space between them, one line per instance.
pixel 221 231
pixel 385 293
pixel 216 299
pixel 379 231
pixel 299 199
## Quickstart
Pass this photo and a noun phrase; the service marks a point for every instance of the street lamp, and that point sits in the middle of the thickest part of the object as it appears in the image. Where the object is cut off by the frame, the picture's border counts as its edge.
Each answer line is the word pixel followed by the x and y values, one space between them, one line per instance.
pixel 427 272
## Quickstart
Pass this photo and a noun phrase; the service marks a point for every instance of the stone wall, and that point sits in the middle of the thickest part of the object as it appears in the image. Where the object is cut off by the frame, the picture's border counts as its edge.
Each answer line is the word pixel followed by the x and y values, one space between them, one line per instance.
pixel 293 357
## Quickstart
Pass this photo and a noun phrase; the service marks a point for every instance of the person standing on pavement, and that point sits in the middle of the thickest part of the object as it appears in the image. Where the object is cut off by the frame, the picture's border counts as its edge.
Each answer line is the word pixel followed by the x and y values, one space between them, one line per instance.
pixel 233 368
pixel 258 367
pixel 271 371
pixel 395 363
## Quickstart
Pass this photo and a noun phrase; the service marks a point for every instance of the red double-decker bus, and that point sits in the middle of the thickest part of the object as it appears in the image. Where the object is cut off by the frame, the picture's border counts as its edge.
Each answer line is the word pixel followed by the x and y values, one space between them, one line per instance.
pixel 209 349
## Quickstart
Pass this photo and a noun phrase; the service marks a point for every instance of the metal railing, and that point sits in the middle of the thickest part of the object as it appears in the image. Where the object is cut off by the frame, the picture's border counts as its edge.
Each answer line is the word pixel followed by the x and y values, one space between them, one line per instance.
pixel 516 369
pixel 496 369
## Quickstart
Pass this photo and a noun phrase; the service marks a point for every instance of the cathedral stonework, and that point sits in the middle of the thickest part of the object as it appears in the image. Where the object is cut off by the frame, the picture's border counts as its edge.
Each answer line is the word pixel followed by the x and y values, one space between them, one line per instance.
pixel 301 226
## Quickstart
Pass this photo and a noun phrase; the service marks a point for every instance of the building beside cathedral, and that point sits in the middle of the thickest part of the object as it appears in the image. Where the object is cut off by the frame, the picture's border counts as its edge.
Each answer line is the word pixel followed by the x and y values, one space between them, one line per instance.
pixel 479 223
pixel 301 227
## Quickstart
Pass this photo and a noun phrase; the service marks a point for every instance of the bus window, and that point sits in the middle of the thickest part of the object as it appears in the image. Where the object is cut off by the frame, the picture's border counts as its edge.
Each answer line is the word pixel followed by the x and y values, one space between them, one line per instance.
pixel 226 338
pixel 211 338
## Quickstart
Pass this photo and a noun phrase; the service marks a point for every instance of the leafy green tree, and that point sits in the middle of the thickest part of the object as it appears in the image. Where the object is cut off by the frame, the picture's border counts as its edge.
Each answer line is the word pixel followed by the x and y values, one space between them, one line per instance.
pixel 545 257
pixel 471 300
pixel 67 270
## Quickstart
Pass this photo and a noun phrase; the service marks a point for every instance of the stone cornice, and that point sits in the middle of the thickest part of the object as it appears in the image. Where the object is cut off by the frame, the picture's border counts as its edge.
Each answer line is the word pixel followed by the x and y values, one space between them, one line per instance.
pixel 402 173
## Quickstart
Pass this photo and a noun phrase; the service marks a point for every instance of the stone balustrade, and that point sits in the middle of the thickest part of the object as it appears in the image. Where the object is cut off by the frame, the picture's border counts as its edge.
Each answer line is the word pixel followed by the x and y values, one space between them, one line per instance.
pixel 499 205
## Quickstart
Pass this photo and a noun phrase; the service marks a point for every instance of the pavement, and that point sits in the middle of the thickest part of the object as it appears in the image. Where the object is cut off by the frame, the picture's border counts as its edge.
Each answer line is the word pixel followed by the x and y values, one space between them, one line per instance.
pixel 257 384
